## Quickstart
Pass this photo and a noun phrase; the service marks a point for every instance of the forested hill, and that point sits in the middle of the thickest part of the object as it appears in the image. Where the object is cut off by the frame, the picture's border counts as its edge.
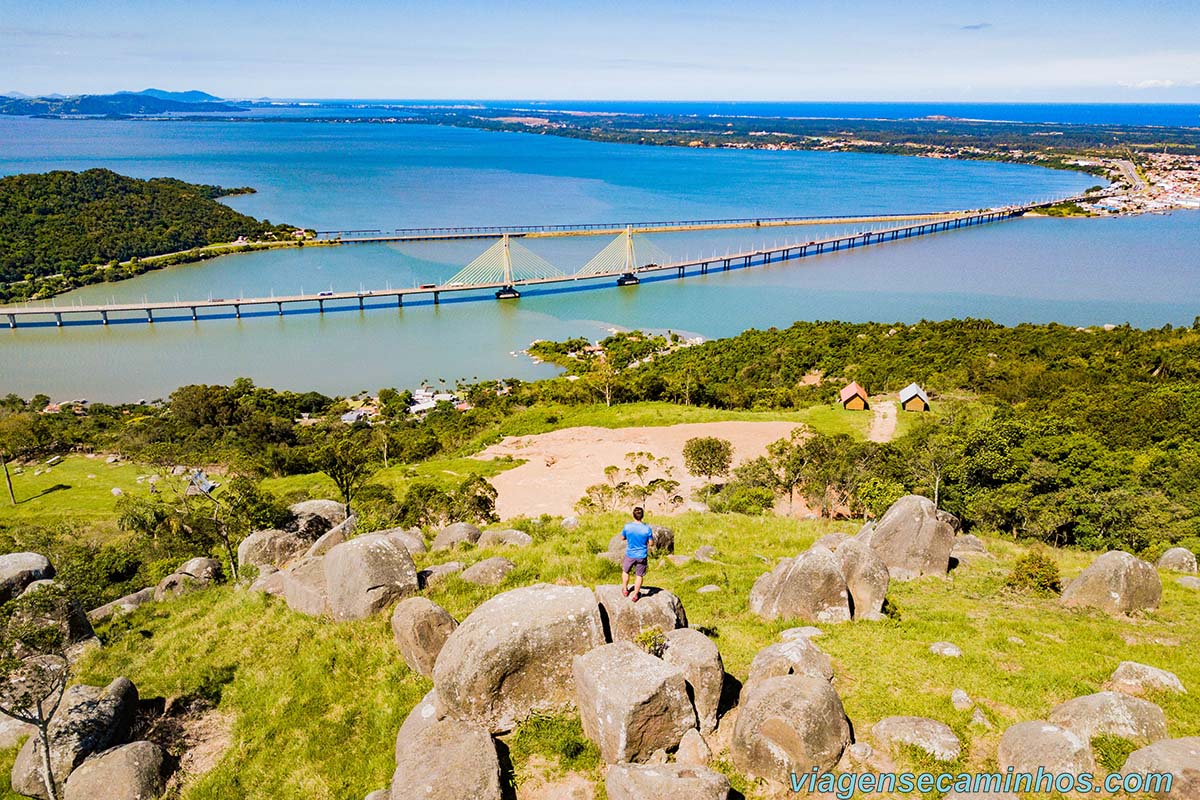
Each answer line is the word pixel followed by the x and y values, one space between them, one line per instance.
pixel 71 223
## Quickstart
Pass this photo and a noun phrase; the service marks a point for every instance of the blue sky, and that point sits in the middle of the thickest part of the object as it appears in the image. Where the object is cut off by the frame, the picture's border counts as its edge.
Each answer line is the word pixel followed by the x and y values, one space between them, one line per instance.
pixel 1099 51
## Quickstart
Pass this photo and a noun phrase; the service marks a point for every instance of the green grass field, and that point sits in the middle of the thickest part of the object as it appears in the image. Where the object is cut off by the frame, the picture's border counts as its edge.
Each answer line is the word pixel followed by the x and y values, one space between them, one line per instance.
pixel 317 704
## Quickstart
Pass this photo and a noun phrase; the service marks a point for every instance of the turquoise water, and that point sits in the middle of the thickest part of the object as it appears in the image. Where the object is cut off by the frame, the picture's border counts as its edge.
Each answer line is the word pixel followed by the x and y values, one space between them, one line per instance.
pixel 1140 270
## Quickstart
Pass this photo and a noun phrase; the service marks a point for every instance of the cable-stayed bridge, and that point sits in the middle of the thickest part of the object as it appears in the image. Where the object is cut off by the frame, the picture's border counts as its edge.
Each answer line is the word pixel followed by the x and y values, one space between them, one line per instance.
pixel 507 266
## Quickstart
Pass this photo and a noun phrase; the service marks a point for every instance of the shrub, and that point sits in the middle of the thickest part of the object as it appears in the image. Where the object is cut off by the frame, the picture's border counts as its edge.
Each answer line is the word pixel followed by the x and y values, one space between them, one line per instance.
pixel 739 499
pixel 1035 572
pixel 652 640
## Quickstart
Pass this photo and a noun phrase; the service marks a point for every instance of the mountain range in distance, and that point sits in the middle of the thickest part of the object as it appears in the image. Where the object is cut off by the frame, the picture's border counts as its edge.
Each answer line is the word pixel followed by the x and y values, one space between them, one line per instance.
pixel 147 101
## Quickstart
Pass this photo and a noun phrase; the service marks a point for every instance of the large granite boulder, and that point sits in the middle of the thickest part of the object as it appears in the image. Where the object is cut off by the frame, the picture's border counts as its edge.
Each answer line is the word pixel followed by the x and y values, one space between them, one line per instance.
pixel 624 619
pixel 1117 583
pixel 452 536
pixel 78 624
pixel 448 760
pixel 304 587
pixel 1137 679
pixel 365 574
pixel 1027 746
pixel 89 720
pixel 312 518
pixel 697 657
pixel 269 548
pixel 420 628
pixel 968 548
pixel 342 532
pixel 866 578
pixel 436 573
pixel 18 570
pixel 630 702
pixel 512 656
pixel 130 772
pixel 794 657
pixel 122 605
pixel 507 537
pixel 664 782
pixel 1177 559
pixel 193 574
pixel 1116 714
pixel 1179 757
pixel 489 572
pixel 786 724
pixel 428 710
pixel 928 735
pixel 913 540
pixel 13 732
pixel 412 539
pixel 809 587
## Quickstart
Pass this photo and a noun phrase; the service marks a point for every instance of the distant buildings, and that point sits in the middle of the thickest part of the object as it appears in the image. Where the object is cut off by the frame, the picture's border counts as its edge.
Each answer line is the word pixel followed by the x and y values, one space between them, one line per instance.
pixel 854 397
pixel 913 398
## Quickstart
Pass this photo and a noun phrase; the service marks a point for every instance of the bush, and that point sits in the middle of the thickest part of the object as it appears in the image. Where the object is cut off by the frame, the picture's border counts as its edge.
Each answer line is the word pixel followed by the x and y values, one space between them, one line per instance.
pixel 1035 572
pixel 738 499
pixel 652 640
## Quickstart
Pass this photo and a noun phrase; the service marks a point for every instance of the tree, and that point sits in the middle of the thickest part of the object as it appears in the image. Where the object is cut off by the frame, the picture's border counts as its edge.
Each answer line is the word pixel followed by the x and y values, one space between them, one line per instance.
pixel 707 456
pixel 787 460
pixel 34 669
pixel 18 439
pixel 932 459
pixel 348 459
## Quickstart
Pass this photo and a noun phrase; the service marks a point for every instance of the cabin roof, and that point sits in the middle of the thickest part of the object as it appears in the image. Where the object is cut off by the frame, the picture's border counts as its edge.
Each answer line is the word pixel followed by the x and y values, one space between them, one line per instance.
pixel 911 391
pixel 850 390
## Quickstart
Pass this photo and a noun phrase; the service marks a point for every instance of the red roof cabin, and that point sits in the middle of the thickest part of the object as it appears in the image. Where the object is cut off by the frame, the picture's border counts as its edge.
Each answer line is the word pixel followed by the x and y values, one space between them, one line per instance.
pixel 854 397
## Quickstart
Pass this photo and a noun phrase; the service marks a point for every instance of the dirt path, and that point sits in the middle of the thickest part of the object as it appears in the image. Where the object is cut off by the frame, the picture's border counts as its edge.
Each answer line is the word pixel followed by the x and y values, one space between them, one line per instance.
pixel 883 425
pixel 560 465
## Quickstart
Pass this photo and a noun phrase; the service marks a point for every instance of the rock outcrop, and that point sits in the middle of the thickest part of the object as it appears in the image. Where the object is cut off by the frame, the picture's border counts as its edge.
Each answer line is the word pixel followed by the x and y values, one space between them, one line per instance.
pixel 664 782
pixel 448 760
pixel 122 605
pixel 452 536
pixel 698 658
pixel 797 656
pixel 303 586
pixel 866 578
pixel 333 537
pixel 623 619
pixel 1179 757
pixel 1137 679
pixel 1117 583
pixel 1027 746
pixel 18 570
pixel 630 702
pixel 412 539
pixel 809 587
pixel 367 573
pixel 133 771
pixel 312 518
pixel 913 539
pixel 512 656
pixel 507 537
pixel 489 572
pixel 420 628
pixel 788 724
pixel 193 574
pixel 1116 714
pixel 1177 559
pixel 271 548
pixel 928 735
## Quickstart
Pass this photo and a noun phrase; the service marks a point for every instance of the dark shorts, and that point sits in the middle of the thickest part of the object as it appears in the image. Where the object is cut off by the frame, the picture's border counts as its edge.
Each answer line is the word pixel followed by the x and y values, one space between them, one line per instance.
pixel 635 565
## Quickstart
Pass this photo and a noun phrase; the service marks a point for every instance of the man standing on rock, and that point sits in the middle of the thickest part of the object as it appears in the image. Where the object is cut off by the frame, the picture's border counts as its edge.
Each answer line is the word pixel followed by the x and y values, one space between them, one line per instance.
pixel 637 536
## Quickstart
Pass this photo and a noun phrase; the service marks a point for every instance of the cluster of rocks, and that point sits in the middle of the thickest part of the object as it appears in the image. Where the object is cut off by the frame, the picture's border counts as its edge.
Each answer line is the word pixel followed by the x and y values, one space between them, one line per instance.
pixel 23 573
pixel 90 753
pixel 553 649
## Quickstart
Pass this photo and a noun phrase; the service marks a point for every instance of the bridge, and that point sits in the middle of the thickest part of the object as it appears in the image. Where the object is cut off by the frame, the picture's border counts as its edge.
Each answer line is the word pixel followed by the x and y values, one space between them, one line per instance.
pixel 506 267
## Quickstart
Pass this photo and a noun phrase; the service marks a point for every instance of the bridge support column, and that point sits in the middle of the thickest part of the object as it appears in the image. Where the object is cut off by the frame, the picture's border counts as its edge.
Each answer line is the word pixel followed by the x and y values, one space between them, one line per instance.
pixel 321 303
pixel 237 311
pixel 12 320
pixel 360 303
pixel 104 317
pixel 280 307
pixel 747 261
pixel 725 265
pixel 149 315
pixel 680 272
pixel 193 313
pixel 58 318
pixel 435 298
pixel 399 301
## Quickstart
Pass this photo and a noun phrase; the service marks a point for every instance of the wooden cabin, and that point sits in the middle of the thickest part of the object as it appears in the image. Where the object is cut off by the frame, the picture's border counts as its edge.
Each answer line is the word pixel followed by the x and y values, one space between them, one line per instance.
pixel 854 397
pixel 913 398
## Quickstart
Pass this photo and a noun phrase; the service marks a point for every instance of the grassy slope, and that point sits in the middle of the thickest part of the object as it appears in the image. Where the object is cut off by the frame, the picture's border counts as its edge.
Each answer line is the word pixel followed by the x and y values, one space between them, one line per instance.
pixel 318 704
pixel 66 491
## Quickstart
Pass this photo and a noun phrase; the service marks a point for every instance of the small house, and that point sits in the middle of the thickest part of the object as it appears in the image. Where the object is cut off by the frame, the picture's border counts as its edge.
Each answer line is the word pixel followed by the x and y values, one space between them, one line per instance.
pixel 913 398
pixel 854 397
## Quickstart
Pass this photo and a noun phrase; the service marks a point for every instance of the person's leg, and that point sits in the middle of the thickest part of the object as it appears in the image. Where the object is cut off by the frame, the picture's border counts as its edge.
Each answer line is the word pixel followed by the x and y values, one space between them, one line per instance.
pixel 637 584
pixel 625 583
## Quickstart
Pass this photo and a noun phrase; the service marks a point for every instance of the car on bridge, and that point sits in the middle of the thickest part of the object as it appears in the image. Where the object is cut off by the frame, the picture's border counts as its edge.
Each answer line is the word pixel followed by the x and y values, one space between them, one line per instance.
pixel 324 294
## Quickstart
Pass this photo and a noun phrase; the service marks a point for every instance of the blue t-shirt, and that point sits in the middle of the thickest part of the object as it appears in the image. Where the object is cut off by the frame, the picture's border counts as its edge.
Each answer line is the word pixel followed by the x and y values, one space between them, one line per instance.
pixel 637 536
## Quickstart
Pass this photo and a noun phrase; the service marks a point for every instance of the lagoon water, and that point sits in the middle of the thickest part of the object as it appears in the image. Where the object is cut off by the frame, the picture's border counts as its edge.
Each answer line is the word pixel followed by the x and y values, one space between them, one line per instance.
pixel 334 176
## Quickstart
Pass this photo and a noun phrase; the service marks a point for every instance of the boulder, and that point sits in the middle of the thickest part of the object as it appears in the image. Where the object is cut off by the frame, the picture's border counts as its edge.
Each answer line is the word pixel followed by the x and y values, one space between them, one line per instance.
pixel 1027 746
pixel 175 584
pixel 624 619
pixel 312 518
pixel 1188 582
pixel 693 750
pixel 1179 757
pixel 946 649
pixel 697 657
pixel 665 782
pixel 489 572
pixel 89 720
pixel 928 735
pixel 866 579
pixel 951 520
pixel 866 533
pixel 367 573
pixel 333 537
pixel 968 548
pixel 436 573
pixel 420 628
pixel 705 554
pixel 630 702
pixel 1139 721
pixel 1177 559
pixel 913 540
pixel 269 581
pixel 808 587
pixel 507 537
pixel 79 626
pixel 961 700
pixel 831 541
pixel 426 712
pixel 269 548
pixel 304 587
pixel 803 632
pixel 453 535
pixel 1135 679
pixel 570 523
pixel 412 539
pixel 786 724
pixel 793 657
pixel 18 570
pixel 448 760
pixel 129 772
pixel 1117 583
pixel 512 656
pixel 13 731
pixel 122 605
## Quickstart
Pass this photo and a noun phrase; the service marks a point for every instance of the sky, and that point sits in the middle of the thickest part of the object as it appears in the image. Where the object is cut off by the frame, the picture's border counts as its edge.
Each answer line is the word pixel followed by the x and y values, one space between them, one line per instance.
pixel 870 50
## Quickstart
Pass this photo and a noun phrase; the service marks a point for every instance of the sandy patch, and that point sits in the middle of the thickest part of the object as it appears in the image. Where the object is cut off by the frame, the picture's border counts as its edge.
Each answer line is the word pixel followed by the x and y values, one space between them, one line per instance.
pixel 560 465
pixel 883 424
